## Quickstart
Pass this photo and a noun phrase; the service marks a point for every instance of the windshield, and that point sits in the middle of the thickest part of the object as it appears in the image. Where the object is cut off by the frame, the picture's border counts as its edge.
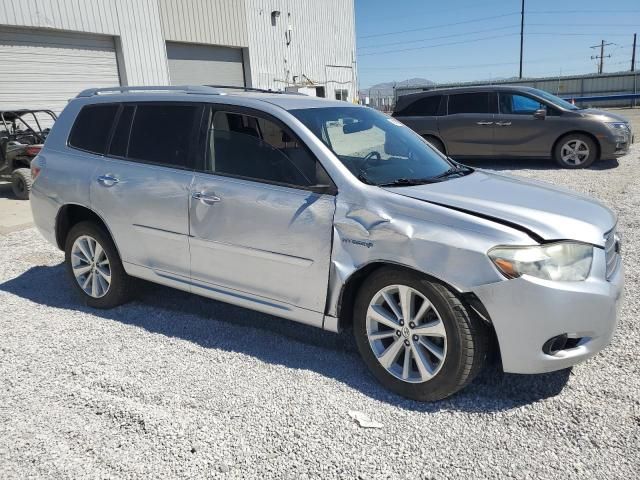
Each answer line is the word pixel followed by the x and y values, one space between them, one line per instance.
pixel 376 148
pixel 555 100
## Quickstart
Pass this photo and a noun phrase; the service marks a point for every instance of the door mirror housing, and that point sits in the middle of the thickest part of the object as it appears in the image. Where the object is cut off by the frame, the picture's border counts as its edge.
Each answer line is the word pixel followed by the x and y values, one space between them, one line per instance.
pixel 541 113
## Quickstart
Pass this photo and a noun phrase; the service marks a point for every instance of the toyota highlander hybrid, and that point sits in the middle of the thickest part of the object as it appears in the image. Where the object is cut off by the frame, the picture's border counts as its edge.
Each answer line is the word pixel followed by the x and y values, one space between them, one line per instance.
pixel 333 215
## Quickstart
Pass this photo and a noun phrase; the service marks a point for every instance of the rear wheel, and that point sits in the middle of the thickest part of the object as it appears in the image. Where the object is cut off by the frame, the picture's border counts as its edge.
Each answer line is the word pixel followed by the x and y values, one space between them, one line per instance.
pixel 21 182
pixel 575 151
pixel 416 337
pixel 95 267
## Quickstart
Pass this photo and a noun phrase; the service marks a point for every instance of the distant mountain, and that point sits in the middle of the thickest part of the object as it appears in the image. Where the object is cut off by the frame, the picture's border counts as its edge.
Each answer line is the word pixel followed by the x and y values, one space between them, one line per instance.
pixel 386 88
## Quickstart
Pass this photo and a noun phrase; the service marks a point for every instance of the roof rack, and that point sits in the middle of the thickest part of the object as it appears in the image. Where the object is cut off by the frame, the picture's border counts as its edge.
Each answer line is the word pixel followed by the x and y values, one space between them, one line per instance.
pixel 246 89
pixel 192 89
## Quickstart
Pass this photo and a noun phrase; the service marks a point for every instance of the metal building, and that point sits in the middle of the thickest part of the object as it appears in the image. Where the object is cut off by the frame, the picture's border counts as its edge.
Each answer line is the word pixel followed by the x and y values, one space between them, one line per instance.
pixel 52 49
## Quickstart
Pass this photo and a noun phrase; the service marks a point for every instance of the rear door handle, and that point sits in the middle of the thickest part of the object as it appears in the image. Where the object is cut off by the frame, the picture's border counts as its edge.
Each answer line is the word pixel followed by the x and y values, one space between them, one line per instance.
pixel 503 124
pixel 206 198
pixel 107 180
pixel 484 123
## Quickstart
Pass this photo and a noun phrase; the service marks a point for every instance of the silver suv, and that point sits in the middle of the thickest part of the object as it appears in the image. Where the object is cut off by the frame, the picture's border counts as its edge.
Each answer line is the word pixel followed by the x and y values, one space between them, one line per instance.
pixel 332 215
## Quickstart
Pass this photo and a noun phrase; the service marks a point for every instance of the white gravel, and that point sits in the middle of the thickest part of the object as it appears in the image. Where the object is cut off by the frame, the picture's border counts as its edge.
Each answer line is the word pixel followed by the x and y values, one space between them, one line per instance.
pixel 176 386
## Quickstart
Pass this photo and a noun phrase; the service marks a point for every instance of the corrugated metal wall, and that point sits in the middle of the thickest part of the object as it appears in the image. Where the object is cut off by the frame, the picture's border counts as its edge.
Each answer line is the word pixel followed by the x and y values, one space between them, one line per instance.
pixel 136 23
pixel 44 68
pixel 143 49
pixel 219 22
pixel 566 87
pixel 321 49
pixel 95 16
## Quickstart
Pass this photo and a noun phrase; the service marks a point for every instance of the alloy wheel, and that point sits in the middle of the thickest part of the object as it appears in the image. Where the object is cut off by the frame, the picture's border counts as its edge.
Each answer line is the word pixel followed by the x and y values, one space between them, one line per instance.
pixel 91 267
pixel 574 152
pixel 406 333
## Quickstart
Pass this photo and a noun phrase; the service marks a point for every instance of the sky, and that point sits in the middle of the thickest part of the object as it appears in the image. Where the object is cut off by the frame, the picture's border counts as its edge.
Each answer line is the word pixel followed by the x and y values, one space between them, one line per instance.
pixel 466 40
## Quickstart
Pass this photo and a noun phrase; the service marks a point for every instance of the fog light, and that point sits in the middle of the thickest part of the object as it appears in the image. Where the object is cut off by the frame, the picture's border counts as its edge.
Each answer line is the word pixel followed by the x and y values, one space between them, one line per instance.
pixel 555 344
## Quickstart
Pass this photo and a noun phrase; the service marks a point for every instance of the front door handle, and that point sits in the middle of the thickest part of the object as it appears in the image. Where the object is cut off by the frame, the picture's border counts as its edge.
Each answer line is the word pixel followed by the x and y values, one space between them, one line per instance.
pixel 107 180
pixel 503 124
pixel 206 198
pixel 484 123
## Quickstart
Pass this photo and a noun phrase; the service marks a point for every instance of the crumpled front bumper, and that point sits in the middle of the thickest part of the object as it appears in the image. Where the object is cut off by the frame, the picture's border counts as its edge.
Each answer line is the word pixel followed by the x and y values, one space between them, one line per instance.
pixel 526 312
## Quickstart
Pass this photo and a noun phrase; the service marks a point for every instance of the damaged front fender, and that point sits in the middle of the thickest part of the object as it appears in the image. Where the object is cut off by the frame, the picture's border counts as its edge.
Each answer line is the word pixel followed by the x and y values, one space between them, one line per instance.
pixel 442 243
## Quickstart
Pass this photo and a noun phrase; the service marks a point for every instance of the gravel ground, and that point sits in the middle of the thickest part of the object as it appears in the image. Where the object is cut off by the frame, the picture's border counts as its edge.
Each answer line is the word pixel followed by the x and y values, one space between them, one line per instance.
pixel 176 386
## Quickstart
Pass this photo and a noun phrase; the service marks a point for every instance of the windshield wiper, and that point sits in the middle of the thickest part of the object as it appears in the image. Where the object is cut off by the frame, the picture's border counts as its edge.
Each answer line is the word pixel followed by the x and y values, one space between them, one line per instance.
pixel 456 170
pixel 364 179
pixel 407 182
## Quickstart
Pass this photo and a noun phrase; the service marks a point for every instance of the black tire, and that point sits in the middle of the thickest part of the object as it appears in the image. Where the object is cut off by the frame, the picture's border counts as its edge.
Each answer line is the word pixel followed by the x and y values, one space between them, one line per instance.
pixel 467 337
pixel 21 183
pixel 593 150
pixel 120 289
pixel 437 144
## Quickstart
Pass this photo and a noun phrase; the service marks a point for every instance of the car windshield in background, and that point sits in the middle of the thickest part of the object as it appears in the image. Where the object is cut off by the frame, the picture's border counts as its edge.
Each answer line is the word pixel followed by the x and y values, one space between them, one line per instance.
pixel 376 148
pixel 556 100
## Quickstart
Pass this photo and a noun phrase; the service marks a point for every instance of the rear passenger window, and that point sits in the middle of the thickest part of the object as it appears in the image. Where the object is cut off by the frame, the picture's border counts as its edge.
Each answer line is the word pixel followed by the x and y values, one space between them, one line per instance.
pixel 92 127
pixel 469 103
pixel 425 106
pixel 163 134
pixel 260 149
pixel 120 140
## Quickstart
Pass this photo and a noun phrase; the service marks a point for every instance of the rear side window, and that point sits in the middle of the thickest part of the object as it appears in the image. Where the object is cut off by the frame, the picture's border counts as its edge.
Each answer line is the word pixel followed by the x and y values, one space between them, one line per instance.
pixel 469 103
pixel 163 134
pixel 425 106
pixel 92 127
pixel 120 140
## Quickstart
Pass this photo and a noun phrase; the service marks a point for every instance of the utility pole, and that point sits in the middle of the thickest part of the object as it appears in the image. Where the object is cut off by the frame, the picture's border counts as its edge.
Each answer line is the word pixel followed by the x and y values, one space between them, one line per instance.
pixel 521 35
pixel 601 57
pixel 633 53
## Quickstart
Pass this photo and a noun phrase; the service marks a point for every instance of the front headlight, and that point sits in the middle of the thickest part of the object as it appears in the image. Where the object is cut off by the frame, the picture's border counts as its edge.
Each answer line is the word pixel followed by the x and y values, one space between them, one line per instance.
pixel 618 126
pixel 561 261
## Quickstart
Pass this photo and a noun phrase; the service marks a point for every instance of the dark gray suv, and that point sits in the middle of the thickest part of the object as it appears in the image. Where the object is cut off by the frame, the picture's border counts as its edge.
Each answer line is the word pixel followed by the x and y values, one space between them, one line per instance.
pixel 516 122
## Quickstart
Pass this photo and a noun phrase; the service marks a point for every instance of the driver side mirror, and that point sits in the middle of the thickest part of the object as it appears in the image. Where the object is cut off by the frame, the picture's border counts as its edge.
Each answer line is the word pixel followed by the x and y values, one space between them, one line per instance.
pixel 540 114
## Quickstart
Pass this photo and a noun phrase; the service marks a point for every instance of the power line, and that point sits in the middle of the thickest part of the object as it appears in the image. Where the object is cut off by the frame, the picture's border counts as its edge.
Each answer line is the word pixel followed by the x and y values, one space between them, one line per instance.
pixel 580 25
pixel 472 6
pixel 442 25
pixel 575 34
pixel 478 65
pixel 406 42
pixel 549 12
pixel 437 45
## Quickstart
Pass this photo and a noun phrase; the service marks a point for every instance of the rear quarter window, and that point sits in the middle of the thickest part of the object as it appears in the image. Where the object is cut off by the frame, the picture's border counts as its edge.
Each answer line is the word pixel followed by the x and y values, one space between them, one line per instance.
pixel 90 131
pixel 163 134
pixel 425 106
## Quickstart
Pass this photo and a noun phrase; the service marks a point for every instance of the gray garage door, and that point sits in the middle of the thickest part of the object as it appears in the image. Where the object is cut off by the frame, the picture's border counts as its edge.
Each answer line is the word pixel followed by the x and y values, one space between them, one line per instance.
pixel 44 69
pixel 191 64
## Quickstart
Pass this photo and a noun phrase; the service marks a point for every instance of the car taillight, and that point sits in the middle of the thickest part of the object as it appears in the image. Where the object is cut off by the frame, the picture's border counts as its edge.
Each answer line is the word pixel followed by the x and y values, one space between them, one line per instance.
pixel 35 171
pixel 33 150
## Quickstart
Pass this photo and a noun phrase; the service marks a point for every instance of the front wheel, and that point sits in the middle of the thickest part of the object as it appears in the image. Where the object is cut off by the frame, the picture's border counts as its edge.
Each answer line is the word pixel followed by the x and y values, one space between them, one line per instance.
pixel 575 151
pixel 416 337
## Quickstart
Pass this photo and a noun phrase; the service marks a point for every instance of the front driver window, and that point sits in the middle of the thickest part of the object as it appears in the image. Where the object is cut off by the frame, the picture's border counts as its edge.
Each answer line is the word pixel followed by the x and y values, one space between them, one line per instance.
pixel 259 149
pixel 518 104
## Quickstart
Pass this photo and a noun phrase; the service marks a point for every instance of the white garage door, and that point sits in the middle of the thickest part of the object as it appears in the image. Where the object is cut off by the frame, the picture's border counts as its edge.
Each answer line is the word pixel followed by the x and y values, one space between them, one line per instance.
pixel 44 69
pixel 191 64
